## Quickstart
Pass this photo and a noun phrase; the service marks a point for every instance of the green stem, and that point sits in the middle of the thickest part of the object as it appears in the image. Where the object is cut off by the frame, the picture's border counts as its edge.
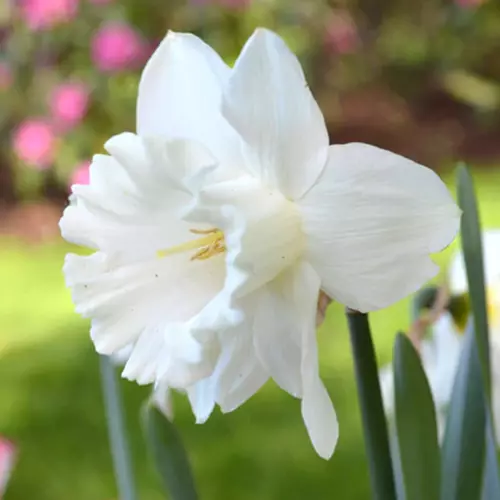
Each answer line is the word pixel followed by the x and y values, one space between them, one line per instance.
pixel 120 451
pixel 372 411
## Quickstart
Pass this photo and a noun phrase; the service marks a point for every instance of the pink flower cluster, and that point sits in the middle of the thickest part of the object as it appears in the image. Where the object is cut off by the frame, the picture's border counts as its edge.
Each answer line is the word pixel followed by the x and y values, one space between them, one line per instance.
pixel 117 46
pixel 35 139
pixel 68 104
pixel 42 15
pixel 7 456
pixel 34 143
pixel 342 34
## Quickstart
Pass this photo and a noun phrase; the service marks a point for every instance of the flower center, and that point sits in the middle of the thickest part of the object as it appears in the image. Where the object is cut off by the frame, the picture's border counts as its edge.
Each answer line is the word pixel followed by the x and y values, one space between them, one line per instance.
pixel 210 244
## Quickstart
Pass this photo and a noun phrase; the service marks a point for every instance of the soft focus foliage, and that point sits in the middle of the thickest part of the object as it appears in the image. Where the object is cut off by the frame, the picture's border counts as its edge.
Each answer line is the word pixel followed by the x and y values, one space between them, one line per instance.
pixel 74 66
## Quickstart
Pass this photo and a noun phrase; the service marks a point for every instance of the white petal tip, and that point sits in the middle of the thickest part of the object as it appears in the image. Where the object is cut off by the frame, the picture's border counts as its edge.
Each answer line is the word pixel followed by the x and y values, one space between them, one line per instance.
pixel 176 36
pixel 103 343
pixel 117 142
pixel 137 377
pixel 320 420
pixel 326 454
pixel 325 446
pixel 127 375
pixel 201 419
pixel 260 31
pixel 130 372
pixel 103 348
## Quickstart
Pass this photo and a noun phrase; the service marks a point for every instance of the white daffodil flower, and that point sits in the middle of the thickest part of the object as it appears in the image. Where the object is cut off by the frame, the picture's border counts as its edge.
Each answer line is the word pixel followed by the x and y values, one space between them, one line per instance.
pixel 216 227
pixel 441 351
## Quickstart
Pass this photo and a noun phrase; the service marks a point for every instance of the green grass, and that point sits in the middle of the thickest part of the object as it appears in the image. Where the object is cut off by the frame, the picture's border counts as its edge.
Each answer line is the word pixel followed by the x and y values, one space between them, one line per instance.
pixel 50 401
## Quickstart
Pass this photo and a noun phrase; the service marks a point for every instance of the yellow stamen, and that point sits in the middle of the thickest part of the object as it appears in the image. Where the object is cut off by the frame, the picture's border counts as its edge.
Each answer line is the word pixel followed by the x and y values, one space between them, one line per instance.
pixel 209 245
pixel 205 231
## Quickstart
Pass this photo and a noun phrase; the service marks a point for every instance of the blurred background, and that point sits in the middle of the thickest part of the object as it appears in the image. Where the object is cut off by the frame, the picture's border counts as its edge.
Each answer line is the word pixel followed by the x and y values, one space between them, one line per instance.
pixel 421 79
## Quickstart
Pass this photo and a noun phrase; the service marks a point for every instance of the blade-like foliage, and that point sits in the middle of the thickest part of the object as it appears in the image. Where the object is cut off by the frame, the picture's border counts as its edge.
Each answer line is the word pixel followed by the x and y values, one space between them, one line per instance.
pixel 463 446
pixel 415 424
pixel 168 454
pixel 472 248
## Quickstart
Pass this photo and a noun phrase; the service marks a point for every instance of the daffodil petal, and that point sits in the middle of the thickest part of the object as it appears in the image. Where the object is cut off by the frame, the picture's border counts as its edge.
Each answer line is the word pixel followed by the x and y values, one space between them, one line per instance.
pixel 202 398
pixel 285 342
pixel 317 409
pixel 162 399
pixel 124 300
pixel 168 352
pixel 144 160
pixel 137 197
pixel 277 333
pixel 239 373
pixel 371 221
pixel 268 102
pixel 252 377
pixel 180 96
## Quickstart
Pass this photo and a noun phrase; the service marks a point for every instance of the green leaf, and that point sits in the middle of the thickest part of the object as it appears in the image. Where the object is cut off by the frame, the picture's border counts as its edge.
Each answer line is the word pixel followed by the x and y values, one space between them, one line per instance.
pixel 473 256
pixel 372 410
pixel 491 483
pixel 415 424
pixel 463 445
pixel 168 454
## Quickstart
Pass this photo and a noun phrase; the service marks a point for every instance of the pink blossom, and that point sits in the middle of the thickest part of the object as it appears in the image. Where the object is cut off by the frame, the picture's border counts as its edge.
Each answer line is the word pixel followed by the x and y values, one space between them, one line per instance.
pixel 7 456
pixel 69 103
pixel 342 34
pixel 81 174
pixel 117 46
pixel 44 14
pixel 6 77
pixel 34 143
